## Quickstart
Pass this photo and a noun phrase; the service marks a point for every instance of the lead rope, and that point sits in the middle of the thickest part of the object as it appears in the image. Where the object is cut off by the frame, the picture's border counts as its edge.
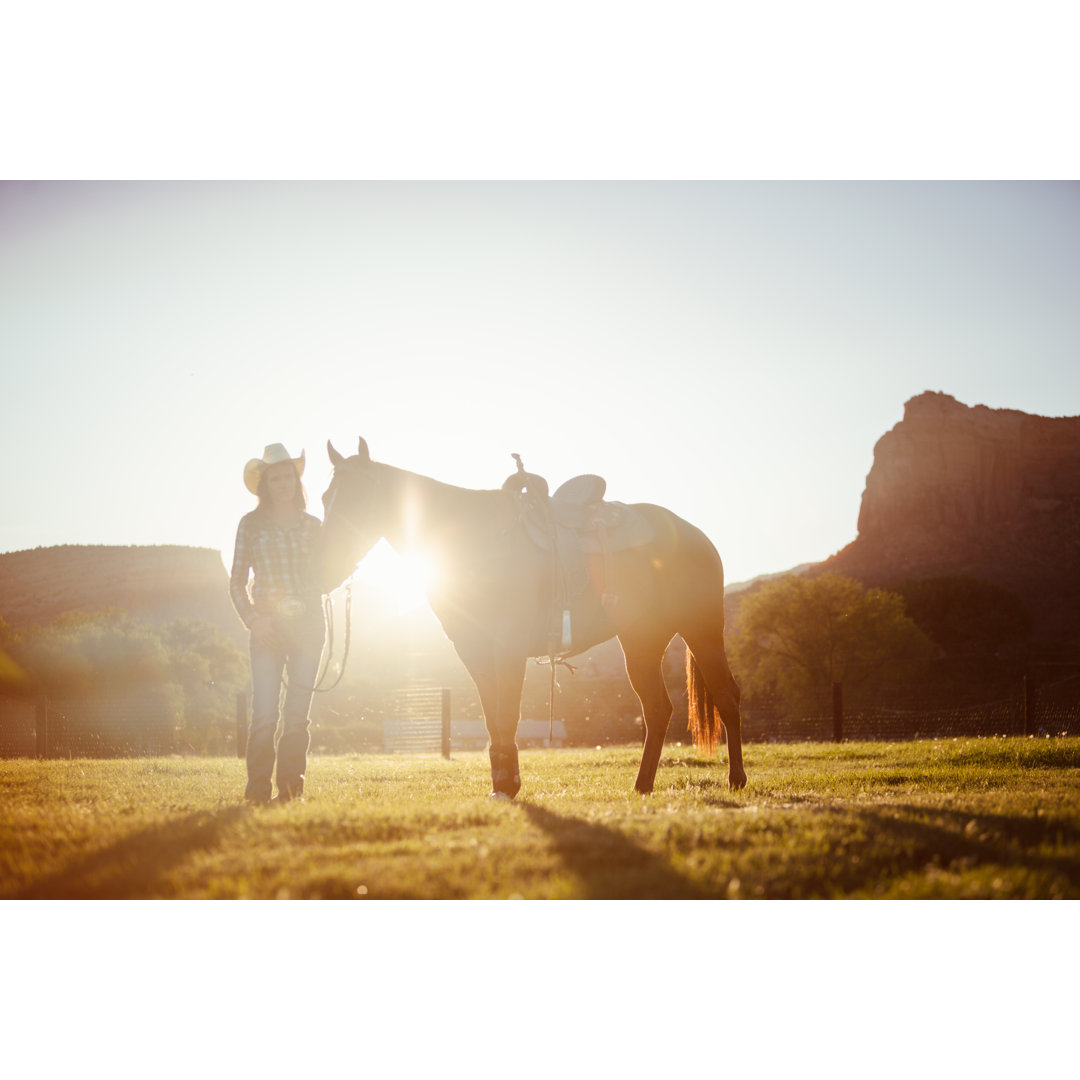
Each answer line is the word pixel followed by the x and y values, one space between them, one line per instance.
pixel 551 707
pixel 329 608
pixel 328 612
pixel 553 662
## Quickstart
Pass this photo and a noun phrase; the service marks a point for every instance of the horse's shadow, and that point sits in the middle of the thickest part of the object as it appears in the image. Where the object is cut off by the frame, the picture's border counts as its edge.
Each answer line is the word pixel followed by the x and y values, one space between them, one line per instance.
pixel 1041 845
pixel 132 867
pixel 608 865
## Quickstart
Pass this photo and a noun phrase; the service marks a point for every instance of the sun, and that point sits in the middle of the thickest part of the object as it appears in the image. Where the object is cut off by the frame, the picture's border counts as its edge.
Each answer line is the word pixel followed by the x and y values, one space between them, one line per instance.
pixel 403 580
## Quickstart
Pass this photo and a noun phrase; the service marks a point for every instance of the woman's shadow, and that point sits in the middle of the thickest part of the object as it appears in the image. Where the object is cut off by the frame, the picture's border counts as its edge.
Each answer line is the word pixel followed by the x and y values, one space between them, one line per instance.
pixel 133 867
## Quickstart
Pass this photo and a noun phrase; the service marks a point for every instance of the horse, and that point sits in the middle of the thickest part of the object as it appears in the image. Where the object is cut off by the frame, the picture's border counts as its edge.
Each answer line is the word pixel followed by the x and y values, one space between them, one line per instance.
pixel 492 589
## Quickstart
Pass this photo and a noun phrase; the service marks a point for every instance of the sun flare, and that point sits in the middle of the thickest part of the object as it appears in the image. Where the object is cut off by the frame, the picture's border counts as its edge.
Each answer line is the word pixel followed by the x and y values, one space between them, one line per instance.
pixel 403 580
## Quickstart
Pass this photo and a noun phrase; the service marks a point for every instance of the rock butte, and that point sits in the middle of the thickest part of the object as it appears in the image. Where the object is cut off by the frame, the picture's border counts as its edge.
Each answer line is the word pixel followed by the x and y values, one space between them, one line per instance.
pixel 989 493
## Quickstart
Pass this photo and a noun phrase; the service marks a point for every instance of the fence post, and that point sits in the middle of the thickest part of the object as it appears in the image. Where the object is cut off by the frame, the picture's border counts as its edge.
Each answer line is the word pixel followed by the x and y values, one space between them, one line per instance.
pixel 241 724
pixel 837 712
pixel 1029 705
pixel 446 722
pixel 41 726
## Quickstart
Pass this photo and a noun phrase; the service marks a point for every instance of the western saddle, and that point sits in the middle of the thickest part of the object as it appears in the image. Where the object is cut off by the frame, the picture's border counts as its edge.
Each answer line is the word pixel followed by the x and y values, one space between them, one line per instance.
pixel 581 531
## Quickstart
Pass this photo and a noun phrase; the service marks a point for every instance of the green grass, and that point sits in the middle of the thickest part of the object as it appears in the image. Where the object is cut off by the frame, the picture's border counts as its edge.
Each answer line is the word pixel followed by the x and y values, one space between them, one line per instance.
pixel 930 819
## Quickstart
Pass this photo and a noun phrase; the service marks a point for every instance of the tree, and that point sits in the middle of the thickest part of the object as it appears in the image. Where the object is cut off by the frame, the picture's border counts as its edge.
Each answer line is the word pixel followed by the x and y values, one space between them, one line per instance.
pixel 210 669
pixel 188 670
pixel 798 635
pixel 965 616
pixel 12 677
pixel 92 654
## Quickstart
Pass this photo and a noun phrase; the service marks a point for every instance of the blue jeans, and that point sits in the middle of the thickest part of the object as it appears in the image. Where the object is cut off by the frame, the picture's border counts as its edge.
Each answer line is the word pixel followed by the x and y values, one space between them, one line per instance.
pixel 302 639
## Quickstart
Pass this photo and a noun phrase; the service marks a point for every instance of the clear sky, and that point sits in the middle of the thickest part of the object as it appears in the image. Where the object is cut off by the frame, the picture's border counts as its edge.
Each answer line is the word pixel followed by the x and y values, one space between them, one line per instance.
pixel 731 350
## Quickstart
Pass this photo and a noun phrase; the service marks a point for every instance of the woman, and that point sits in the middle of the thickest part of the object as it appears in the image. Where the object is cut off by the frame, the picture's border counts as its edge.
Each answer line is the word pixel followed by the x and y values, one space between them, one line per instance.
pixel 279 542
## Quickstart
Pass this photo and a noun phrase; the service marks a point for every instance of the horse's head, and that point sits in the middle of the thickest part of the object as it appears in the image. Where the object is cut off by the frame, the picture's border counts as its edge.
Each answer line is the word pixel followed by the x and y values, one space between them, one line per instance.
pixel 350 523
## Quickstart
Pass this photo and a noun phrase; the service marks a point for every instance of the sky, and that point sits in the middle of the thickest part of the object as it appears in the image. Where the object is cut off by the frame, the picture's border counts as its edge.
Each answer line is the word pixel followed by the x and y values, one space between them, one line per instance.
pixel 731 350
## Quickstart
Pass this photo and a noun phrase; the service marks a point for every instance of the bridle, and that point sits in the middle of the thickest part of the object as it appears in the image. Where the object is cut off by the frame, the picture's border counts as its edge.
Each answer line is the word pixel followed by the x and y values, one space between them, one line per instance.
pixel 358 531
pixel 328 618
pixel 328 613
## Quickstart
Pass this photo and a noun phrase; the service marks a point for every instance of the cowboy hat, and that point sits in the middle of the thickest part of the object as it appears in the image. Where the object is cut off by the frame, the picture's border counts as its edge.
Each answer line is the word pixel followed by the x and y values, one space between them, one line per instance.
pixel 274 454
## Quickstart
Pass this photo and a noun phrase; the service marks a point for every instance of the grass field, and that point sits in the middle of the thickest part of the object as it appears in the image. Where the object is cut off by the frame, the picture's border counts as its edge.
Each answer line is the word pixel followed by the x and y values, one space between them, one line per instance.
pixel 958 818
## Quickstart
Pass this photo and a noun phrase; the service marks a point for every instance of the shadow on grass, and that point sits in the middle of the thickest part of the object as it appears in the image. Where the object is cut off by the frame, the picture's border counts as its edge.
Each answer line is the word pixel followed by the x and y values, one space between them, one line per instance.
pixel 968 841
pixel 607 865
pixel 873 847
pixel 132 868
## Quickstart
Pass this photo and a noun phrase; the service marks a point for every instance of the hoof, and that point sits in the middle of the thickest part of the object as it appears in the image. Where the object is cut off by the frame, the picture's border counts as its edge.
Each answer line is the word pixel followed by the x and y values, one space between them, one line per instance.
pixel 505 777
pixel 737 781
pixel 501 796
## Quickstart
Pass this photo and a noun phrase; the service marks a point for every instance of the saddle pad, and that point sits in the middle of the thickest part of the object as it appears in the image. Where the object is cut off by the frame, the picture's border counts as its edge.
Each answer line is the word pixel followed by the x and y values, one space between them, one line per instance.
pixel 615 526
pixel 602 530
pixel 611 526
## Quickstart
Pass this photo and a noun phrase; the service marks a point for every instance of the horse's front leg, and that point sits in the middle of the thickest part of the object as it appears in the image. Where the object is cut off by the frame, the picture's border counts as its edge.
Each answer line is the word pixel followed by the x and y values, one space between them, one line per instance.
pixel 502 710
pixel 505 773
pixel 500 697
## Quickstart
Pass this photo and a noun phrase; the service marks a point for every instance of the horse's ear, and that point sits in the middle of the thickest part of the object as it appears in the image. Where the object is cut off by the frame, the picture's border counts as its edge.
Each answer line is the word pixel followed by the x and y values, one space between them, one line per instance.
pixel 335 458
pixel 362 452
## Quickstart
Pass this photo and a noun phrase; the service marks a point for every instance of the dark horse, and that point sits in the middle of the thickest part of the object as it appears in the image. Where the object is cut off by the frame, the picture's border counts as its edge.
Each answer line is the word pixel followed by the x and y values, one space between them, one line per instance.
pixel 493 592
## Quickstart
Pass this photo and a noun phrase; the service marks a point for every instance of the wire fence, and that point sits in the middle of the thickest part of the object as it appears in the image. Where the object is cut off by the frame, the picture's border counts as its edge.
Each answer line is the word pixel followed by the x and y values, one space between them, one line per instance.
pixel 412 719
pixel 132 725
pixel 1030 709
pixel 889 724
pixel 420 723
pixel 425 719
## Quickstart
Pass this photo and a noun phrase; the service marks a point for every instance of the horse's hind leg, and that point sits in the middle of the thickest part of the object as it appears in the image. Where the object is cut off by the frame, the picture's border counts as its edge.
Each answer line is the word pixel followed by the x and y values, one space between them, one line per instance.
pixel 711 658
pixel 644 668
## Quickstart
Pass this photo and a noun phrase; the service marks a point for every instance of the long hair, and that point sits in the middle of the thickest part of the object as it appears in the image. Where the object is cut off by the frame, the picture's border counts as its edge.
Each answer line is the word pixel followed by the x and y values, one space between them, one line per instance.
pixel 299 496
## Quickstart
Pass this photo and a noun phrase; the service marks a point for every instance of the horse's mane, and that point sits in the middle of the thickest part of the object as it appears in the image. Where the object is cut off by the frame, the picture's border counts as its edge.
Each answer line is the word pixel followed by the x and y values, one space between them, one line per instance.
pixel 433 505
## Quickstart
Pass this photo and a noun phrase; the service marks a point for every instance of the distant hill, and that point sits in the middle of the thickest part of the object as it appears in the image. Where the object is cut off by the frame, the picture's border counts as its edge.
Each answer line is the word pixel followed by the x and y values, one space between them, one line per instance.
pixel 754 582
pixel 156 584
pixel 992 494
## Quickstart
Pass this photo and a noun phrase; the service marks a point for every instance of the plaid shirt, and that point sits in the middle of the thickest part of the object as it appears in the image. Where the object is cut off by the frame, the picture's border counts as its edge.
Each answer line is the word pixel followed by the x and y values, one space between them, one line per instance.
pixel 285 562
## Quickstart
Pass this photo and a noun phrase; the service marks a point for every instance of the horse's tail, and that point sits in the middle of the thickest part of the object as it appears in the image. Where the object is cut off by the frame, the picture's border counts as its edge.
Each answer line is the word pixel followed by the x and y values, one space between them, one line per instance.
pixel 705 723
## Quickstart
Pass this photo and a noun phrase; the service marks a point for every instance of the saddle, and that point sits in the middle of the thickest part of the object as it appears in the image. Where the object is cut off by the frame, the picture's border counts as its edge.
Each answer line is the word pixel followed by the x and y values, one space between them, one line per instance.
pixel 580 529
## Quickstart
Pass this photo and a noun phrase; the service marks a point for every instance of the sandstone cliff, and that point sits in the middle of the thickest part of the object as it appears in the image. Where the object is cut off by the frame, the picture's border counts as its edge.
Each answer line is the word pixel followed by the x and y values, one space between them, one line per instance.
pixel 156 584
pixel 989 493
